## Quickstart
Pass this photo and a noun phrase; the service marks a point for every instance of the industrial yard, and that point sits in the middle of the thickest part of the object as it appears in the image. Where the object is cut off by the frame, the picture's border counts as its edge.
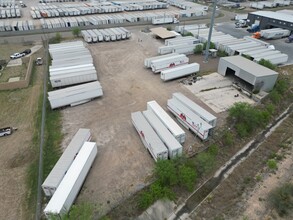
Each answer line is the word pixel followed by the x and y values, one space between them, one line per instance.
pixel 122 160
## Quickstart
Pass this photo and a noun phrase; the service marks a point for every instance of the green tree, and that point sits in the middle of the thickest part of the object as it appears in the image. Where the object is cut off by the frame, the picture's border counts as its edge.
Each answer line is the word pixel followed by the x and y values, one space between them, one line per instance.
pixel 204 162
pixel 212 45
pixel 281 199
pixel 165 171
pixel 76 31
pixel 58 37
pixel 187 177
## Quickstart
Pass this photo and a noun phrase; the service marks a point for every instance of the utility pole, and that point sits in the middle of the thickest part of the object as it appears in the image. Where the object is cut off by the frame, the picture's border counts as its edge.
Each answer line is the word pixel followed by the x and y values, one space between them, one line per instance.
pixel 210 32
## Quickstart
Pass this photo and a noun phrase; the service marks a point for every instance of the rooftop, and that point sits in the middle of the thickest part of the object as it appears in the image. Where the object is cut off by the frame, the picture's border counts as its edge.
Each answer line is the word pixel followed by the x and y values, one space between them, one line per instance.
pixel 275 15
pixel 250 66
pixel 162 32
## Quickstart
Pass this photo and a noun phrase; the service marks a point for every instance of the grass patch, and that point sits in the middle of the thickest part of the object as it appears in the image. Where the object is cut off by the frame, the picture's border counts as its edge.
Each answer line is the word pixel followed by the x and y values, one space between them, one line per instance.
pixel 32 176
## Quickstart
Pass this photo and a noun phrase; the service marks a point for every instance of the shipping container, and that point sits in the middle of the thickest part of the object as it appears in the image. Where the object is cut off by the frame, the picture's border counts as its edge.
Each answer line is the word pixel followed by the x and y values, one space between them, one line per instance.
pixel 179 71
pixel 275 59
pixel 189 119
pixel 54 178
pixel 86 36
pixel 168 62
pixel 106 35
pixel 93 36
pixel 99 35
pixel 128 33
pixel 198 110
pixel 170 124
pixel 70 186
pixel 117 33
pixel 149 137
pixel 174 147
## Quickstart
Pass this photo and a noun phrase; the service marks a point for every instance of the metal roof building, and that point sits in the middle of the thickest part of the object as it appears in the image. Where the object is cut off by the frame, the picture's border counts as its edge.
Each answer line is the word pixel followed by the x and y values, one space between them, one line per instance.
pixel 253 75
pixel 162 33
pixel 269 19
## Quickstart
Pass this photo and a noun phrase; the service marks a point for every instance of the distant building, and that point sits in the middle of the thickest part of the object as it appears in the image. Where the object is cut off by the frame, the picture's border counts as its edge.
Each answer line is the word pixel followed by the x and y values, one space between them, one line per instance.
pixel 249 74
pixel 270 19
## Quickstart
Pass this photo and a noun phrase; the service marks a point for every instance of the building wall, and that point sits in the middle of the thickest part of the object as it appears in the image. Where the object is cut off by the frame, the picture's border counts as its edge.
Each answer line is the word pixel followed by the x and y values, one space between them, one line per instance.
pixel 266 22
pixel 268 82
pixel 265 83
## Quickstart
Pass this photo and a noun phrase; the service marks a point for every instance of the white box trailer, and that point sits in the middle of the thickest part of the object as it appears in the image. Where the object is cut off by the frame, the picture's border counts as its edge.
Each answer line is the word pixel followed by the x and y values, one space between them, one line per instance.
pixel 189 119
pixel 240 17
pixel 128 33
pixel 112 35
pixel 86 36
pixel 54 69
pixel 68 189
pixel 178 48
pixel 274 34
pixel 75 95
pixel 170 124
pixel 56 175
pixel 267 53
pixel 182 40
pixel 117 33
pixel 224 45
pixel 148 136
pixel 147 61
pixel 261 42
pixel 168 41
pixel 93 36
pixel 275 58
pixel 179 71
pixel 107 36
pixel 99 35
pixel 164 20
pixel 198 110
pixel 232 48
pixel 174 147
pixel 73 70
pixel 123 34
pixel 255 52
pixel 168 62
pixel 73 78
pixel 247 50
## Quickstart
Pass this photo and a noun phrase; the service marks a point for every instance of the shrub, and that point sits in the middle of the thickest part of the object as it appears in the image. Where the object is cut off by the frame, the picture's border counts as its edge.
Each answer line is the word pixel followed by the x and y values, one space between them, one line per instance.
pixel 228 139
pixel 204 162
pixel 272 164
pixel 275 96
pixel 187 177
pixel 267 64
pixel 188 34
pixel 222 53
pixel 282 86
pixel 213 150
pixel 247 56
pixel 281 199
pixel 76 31
pixel 212 45
pixel 165 171
pixel 198 49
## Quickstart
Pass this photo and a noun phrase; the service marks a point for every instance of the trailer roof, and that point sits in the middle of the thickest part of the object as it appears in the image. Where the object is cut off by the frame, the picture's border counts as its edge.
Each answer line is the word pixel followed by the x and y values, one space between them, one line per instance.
pixel 148 132
pixel 195 107
pixel 58 200
pixel 162 32
pixel 249 66
pixel 162 131
pixel 275 15
pixel 64 162
pixel 168 121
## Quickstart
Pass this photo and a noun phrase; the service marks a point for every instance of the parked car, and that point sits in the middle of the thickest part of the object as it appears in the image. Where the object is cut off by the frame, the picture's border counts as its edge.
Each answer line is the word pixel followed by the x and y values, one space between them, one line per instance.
pixel 5 131
pixel 27 51
pixel 17 55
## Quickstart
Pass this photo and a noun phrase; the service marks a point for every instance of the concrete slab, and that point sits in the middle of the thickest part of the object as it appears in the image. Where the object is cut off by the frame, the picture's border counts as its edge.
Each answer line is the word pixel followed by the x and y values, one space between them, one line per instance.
pixel 14 79
pixel 159 210
pixel 217 92
pixel 16 62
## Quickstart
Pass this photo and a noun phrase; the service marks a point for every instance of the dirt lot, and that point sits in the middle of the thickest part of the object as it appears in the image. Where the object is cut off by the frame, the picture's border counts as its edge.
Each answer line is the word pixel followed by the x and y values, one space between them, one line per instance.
pixel 18 109
pixel 123 165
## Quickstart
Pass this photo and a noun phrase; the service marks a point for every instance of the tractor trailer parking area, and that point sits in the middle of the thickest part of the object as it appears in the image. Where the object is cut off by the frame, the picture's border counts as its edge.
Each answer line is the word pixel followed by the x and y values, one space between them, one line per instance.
pixel 123 165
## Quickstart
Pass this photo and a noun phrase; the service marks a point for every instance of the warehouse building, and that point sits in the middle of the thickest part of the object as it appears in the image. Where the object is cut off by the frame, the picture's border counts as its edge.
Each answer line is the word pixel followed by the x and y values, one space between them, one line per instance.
pixel 250 75
pixel 270 19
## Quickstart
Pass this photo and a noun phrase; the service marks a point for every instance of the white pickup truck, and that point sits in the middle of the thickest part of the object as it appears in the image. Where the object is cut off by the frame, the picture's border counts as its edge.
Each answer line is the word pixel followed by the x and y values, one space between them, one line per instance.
pixel 6 131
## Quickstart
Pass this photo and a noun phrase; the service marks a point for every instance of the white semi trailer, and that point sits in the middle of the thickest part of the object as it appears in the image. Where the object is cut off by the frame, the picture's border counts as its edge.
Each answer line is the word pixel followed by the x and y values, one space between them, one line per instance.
pixel 56 175
pixel 170 124
pixel 69 187
pixel 189 119
pixel 168 62
pixel 174 147
pixel 148 136
pixel 147 61
pixel 179 71
pixel 198 110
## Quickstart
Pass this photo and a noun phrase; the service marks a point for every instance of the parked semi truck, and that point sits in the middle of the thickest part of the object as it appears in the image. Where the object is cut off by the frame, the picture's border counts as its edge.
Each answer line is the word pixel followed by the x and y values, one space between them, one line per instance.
pixel 269 34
